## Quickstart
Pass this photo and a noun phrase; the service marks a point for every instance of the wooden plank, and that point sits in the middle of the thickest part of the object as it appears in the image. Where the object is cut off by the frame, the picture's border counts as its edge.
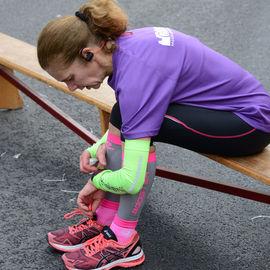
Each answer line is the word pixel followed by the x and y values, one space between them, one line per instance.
pixel 25 61
pixel 256 166
pixel 235 190
pixel 104 121
pixel 9 95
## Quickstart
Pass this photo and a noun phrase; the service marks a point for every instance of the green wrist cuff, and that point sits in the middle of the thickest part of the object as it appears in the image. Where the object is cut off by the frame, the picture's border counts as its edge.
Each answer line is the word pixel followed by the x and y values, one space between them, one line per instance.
pixel 131 177
pixel 93 149
pixel 98 182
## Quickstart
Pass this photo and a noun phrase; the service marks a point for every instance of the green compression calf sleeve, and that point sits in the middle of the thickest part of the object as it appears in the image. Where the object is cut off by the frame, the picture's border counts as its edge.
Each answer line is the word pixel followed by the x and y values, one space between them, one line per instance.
pixel 93 149
pixel 130 178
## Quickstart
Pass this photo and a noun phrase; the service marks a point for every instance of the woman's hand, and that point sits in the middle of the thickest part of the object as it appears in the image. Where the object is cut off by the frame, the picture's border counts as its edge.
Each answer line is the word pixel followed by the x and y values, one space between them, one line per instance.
pixel 85 166
pixel 89 199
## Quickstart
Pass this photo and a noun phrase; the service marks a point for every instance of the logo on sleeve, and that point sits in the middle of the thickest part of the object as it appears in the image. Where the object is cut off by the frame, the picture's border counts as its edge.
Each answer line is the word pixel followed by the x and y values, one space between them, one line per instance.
pixel 165 36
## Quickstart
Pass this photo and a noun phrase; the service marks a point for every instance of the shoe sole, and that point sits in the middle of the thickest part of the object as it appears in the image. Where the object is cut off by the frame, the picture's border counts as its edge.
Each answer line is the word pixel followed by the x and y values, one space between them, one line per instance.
pixel 125 263
pixel 67 248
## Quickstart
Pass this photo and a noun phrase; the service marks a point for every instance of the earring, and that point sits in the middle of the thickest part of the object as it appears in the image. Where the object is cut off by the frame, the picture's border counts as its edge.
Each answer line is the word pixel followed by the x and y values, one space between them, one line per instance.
pixel 88 57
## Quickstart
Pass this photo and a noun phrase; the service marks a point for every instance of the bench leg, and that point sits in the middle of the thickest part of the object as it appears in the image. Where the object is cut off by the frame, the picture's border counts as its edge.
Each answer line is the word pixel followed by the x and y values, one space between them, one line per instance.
pixel 104 121
pixel 9 95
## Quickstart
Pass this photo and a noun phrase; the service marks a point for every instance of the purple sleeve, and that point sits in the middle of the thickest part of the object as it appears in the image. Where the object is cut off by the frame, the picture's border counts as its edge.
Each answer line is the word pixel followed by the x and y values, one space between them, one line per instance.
pixel 144 95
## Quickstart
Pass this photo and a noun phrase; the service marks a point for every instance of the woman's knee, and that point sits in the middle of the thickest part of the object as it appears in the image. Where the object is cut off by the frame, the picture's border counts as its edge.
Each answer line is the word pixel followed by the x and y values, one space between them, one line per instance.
pixel 114 130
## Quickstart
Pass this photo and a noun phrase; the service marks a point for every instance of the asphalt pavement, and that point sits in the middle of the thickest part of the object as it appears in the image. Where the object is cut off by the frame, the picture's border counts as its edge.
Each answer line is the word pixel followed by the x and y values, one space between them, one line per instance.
pixel 182 227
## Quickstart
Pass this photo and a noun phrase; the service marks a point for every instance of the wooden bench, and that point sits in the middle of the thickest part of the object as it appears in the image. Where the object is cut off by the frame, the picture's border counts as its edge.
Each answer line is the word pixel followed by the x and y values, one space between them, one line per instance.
pixel 16 55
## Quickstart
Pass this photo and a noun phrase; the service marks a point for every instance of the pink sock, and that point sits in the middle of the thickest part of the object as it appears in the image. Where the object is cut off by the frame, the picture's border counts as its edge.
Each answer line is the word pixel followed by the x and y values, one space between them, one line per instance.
pixel 107 211
pixel 123 229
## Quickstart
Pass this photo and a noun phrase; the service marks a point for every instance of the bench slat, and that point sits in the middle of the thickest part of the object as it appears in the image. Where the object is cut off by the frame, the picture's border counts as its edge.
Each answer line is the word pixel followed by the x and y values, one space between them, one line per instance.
pixel 256 166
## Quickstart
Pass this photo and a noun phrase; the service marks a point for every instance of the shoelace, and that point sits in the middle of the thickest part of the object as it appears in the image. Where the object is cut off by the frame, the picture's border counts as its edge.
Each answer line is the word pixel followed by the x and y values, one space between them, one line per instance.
pixel 83 224
pixel 95 245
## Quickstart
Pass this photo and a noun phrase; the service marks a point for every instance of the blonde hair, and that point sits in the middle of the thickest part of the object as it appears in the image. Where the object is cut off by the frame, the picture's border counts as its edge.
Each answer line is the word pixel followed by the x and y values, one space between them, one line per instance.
pixel 65 36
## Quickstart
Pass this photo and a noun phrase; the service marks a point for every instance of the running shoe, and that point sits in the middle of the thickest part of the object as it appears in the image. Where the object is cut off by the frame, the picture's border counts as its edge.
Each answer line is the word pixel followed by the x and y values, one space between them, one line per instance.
pixel 76 236
pixel 104 252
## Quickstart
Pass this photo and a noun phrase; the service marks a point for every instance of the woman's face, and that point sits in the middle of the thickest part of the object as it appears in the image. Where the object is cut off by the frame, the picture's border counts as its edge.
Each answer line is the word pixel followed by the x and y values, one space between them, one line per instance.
pixel 80 73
